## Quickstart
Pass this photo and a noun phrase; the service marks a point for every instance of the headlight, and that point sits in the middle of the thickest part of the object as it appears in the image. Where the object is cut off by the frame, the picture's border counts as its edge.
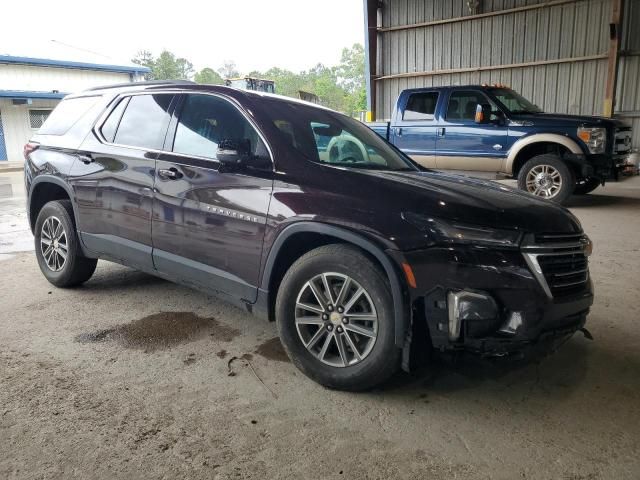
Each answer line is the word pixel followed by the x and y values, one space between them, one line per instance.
pixel 453 232
pixel 594 138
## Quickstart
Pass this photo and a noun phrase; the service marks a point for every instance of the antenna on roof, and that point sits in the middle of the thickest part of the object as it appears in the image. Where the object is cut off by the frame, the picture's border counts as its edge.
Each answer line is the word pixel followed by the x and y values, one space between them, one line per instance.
pixel 81 49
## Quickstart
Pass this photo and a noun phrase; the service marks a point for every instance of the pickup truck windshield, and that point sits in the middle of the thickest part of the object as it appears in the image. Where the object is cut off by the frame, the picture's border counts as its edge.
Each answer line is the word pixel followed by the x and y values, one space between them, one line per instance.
pixel 330 138
pixel 513 101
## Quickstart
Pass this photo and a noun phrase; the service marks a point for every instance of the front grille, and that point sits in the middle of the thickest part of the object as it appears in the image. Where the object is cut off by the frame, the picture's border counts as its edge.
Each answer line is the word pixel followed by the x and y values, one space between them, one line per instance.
pixel 544 238
pixel 565 274
pixel 559 262
pixel 622 141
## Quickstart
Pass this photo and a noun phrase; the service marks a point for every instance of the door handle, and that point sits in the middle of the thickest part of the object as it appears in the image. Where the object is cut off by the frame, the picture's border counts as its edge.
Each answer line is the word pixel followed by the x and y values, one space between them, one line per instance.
pixel 399 131
pixel 86 159
pixel 169 173
pixel 440 131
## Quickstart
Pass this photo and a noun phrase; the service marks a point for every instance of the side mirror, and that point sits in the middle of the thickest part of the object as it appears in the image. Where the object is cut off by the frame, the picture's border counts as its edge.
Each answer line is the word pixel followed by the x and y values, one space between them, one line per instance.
pixel 483 113
pixel 232 152
pixel 237 153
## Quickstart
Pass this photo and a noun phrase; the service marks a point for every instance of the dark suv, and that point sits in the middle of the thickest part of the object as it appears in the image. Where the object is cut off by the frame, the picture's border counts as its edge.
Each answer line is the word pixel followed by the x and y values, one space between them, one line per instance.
pixel 304 216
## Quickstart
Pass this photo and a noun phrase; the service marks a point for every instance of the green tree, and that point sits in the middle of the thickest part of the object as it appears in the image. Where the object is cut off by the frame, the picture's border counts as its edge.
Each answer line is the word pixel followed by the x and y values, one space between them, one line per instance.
pixel 229 70
pixel 166 67
pixel 185 68
pixel 351 78
pixel 145 58
pixel 208 75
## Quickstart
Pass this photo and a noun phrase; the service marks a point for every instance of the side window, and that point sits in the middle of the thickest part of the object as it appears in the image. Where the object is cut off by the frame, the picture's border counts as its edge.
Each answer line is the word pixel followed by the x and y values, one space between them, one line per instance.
pixel 66 114
pixel 110 125
pixel 462 105
pixel 420 106
pixel 207 120
pixel 144 122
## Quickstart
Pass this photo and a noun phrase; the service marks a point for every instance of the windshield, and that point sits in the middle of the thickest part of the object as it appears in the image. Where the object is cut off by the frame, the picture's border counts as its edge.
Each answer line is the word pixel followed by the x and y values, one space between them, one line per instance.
pixel 513 101
pixel 330 138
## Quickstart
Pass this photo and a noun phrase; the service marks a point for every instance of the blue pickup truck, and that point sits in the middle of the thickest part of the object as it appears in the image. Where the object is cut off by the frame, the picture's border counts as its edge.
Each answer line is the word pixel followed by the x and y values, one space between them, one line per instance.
pixel 481 128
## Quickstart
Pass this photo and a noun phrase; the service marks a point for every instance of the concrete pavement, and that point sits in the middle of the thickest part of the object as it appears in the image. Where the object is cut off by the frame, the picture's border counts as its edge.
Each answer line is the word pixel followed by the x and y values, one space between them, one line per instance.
pixel 133 377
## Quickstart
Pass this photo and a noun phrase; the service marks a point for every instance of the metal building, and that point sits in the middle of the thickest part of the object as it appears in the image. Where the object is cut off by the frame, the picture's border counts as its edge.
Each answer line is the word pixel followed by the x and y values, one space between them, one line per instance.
pixel 31 87
pixel 567 56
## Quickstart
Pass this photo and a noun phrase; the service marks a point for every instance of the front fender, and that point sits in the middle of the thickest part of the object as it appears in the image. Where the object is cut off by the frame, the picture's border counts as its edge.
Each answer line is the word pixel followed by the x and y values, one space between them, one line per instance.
pixel 398 290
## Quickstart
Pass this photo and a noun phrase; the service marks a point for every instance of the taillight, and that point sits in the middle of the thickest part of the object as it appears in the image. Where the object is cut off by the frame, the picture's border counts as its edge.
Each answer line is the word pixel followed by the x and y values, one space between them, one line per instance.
pixel 28 149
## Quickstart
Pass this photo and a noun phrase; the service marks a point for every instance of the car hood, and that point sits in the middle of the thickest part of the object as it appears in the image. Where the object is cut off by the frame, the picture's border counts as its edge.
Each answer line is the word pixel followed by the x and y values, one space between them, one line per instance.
pixel 558 119
pixel 474 201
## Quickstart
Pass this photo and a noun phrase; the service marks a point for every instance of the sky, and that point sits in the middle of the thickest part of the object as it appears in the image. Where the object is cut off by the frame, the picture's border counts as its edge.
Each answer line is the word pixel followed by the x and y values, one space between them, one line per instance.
pixel 255 34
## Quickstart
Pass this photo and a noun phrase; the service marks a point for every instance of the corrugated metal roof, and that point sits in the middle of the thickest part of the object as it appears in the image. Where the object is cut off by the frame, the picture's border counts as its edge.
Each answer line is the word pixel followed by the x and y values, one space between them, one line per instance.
pixel 46 62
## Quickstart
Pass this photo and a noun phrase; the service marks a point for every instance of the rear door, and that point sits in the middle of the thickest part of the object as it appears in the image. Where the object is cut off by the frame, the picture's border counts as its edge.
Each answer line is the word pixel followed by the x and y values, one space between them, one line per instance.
pixel 209 222
pixel 463 144
pixel 414 131
pixel 113 178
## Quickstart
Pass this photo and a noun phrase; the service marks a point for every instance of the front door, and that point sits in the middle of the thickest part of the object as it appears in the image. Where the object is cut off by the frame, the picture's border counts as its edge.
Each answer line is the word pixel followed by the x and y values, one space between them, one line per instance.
pixel 113 178
pixel 3 148
pixel 209 222
pixel 463 144
pixel 415 132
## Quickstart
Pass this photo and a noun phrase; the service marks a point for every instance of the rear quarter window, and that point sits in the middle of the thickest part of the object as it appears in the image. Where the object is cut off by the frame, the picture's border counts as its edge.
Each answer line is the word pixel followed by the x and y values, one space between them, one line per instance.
pixel 66 114
pixel 144 122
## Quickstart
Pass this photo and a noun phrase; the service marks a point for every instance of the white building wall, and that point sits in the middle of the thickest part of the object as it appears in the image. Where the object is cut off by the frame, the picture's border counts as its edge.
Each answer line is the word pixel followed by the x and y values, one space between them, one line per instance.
pixel 15 118
pixel 15 122
pixel 46 79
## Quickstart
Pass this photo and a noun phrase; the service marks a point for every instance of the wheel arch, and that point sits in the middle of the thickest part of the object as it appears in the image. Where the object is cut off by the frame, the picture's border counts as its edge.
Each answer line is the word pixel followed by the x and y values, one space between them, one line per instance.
pixel 532 145
pixel 44 189
pixel 310 235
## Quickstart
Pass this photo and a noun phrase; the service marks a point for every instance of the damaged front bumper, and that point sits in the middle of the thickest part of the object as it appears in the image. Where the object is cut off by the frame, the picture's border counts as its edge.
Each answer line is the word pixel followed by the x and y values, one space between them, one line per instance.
pixel 603 166
pixel 489 301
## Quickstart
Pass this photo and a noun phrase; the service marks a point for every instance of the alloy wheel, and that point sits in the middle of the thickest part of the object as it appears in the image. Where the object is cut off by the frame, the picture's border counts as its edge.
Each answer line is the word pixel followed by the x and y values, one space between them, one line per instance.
pixel 336 319
pixel 53 244
pixel 544 181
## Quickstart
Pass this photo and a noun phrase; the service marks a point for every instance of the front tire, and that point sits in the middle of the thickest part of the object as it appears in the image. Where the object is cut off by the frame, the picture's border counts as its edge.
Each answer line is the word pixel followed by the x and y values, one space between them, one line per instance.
pixel 586 185
pixel 335 317
pixel 57 246
pixel 548 177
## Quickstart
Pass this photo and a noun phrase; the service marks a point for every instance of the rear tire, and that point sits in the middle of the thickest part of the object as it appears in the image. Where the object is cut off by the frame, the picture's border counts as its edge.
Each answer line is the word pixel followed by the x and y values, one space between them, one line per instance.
pixel 586 185
pixel 58 248
pixel 324 342
pixel 547 176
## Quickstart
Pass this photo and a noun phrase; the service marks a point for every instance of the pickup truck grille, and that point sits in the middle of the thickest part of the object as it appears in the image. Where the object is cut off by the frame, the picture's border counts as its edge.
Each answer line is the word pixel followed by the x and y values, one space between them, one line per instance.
pixel 559 262
pixel 622 141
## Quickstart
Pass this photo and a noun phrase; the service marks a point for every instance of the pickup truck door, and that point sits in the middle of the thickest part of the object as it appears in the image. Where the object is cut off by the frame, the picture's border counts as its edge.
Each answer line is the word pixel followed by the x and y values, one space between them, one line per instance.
pixel 414 129
pixel 463 144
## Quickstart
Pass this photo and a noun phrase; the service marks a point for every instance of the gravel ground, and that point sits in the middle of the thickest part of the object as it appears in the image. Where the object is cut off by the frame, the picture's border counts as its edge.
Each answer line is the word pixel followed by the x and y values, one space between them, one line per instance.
pixel 132 377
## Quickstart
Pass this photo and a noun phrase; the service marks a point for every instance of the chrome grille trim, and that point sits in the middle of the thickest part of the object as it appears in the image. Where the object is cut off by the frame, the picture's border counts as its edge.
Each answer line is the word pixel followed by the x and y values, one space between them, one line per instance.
pixel 536 248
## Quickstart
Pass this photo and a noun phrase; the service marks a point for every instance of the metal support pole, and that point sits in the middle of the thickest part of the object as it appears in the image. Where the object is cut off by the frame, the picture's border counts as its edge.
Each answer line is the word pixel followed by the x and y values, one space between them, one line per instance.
pixel 371 53
pixel 615 35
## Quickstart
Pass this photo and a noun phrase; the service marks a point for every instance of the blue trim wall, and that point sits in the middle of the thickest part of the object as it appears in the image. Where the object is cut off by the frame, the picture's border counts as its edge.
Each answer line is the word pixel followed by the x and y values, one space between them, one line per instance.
pixel 10 59
pixel 27 94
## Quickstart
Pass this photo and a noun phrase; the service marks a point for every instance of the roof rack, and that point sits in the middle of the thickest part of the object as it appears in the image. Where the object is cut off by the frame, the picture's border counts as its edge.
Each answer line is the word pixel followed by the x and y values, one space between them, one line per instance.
pixel 142 84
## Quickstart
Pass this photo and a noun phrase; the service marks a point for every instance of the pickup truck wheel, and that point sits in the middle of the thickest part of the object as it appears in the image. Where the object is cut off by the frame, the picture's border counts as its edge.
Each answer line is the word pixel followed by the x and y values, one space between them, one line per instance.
pixel 335 317
pixel 547 176
pixel 57 246
pixel 586 185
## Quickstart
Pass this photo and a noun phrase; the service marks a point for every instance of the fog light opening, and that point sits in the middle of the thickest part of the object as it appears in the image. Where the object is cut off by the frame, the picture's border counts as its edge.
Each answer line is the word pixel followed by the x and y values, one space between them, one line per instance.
pixel 514 321
pixel 466 305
